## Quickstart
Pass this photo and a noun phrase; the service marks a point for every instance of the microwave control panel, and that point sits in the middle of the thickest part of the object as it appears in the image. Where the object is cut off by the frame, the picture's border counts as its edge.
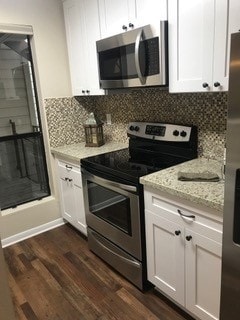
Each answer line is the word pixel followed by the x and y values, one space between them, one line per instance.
pixel 152 56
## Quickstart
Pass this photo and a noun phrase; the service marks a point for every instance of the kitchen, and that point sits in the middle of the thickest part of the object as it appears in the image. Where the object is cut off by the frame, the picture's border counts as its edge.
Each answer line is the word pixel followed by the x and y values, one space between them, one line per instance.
pixel 63 115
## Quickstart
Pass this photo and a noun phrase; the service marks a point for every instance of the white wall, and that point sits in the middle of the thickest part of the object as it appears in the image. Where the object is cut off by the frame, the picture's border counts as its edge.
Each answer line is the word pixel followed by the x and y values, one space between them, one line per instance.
pixel 53 80
pixel 46 18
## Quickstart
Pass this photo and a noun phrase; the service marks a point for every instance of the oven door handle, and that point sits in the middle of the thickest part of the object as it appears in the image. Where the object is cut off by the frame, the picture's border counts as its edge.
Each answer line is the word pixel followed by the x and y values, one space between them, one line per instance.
pixel 112 183
pixel 137 62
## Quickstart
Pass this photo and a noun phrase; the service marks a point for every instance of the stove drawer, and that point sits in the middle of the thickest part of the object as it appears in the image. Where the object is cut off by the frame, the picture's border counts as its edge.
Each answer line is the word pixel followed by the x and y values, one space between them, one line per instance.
pixel 117 258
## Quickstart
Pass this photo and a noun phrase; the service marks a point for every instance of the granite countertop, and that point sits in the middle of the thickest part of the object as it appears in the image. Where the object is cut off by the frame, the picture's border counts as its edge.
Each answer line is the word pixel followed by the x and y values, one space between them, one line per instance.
pixel 78 151
pixel 208 194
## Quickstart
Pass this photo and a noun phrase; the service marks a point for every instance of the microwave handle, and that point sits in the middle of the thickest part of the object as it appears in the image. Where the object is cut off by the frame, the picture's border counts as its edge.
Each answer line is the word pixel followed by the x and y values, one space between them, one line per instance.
pixel 137 62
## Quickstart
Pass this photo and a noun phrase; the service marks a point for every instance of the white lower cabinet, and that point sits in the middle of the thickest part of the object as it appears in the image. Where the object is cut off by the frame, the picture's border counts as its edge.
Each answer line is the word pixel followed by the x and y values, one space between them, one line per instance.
pixel 165 256
pixel 71 195
pixel 184 255
pixel 203 275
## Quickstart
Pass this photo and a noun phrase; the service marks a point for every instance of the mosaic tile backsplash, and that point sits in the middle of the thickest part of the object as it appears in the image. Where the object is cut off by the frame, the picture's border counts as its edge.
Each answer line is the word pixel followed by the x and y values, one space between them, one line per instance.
pixel 208 111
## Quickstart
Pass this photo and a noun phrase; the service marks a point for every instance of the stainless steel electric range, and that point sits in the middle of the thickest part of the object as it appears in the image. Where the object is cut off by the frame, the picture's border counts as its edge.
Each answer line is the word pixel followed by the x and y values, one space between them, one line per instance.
pixel 113 195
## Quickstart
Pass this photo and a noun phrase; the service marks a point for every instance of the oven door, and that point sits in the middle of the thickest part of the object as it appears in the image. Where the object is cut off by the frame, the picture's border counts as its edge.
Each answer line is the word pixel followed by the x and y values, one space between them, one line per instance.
pixel 112 209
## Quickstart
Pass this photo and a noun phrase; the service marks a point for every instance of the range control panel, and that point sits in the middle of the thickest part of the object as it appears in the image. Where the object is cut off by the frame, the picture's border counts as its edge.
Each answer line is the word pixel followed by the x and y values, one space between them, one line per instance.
pixel 160 131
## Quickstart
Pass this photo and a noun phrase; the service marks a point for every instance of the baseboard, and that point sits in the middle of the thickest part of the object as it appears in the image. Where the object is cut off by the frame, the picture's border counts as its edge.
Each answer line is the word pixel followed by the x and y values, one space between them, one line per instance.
pixel 31 232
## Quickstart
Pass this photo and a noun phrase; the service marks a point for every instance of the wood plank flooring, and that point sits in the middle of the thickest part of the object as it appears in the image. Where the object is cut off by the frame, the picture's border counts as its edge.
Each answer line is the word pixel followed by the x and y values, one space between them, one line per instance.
pixel 54 276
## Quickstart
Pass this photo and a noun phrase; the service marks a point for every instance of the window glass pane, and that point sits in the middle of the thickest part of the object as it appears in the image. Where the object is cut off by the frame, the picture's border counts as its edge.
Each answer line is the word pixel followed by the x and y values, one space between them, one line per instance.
pixel 23 170
pixel 18 109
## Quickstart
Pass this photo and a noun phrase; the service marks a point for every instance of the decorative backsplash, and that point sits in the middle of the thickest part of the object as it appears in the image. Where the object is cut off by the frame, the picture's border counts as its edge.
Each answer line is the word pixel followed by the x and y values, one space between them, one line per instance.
pixel 208 111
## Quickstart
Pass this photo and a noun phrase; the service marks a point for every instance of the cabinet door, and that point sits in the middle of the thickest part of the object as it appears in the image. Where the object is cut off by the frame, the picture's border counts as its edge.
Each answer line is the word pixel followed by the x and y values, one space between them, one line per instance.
pixel 71 196
pixel 76 187
pixel 221 46
pixel 91 29
pixel 82 30
pixel 226 23
pixel 191 37
pixel 165 256
pixel 114 14
pixel 67 198
pixel 150 11
pixel 203 280
pixel 76 45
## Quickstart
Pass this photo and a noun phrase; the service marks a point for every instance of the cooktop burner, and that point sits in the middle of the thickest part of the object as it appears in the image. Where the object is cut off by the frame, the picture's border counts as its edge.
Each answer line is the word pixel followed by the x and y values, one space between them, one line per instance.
pixel 150 149
pixel 120 163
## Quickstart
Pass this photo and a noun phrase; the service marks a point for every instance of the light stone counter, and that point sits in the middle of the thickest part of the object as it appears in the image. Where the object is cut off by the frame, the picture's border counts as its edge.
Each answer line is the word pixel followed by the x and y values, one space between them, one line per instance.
pixel 78 151
pixel 208 194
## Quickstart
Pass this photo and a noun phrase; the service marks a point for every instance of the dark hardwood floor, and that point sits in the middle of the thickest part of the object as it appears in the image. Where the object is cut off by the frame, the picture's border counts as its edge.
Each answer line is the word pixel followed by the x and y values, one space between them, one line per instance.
pixel 54 276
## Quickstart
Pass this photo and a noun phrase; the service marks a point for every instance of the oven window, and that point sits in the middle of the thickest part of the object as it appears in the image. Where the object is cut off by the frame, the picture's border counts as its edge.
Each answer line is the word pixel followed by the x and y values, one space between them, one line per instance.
pixel 110 206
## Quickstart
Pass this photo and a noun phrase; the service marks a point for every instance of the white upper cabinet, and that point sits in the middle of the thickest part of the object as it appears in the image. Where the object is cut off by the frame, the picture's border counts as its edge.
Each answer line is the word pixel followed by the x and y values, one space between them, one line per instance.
pixel 199 43
pixel 119 16
pixel 115 16
pixel 151 11
pixel 82 31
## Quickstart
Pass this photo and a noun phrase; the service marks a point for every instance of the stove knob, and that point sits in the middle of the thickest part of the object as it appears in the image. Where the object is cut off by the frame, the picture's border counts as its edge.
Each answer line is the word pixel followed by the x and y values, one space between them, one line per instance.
pixel 176 133
pixel 131 128
pixel 136 128
pixel 183 134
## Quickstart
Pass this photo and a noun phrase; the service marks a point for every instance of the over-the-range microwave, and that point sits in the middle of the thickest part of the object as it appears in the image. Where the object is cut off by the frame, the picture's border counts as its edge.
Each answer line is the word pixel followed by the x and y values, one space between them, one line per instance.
pixel 136 58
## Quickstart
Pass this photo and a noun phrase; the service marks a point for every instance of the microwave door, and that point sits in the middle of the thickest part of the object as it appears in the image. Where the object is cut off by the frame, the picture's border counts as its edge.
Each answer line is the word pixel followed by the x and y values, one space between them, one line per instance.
pixel 140 57
pixel 133 59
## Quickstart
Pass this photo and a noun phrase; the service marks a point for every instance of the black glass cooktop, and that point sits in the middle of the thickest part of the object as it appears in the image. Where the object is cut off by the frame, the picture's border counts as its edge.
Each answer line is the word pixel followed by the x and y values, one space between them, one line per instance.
pixel 128 165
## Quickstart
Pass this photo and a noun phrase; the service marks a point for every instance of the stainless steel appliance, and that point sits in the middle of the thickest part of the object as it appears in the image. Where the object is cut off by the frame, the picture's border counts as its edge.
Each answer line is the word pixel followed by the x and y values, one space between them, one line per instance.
pixel 113 195
pixel 135 58
pixel 230 291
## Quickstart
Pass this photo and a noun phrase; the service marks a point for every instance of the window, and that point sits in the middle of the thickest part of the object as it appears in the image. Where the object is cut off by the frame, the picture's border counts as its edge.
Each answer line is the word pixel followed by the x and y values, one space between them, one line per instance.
pixel 23 171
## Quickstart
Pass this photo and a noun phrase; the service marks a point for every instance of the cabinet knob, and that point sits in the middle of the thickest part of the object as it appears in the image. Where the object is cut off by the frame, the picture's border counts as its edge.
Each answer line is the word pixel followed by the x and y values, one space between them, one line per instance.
pixel 205 85
pixel 70 180
pixel 216 84
pixel 188 238
pixel 131 25
pixel 177 232
pixel 83 91
pixel 87 91
pixel 124 27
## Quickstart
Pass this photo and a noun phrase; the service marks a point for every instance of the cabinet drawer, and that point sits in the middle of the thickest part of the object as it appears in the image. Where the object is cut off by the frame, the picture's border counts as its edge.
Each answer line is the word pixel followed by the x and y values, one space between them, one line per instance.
pixel 186 218
pixel 68 171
